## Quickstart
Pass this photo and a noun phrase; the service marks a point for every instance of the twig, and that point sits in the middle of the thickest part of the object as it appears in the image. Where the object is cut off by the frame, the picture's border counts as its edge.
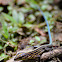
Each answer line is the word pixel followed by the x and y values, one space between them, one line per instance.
pixel 54 53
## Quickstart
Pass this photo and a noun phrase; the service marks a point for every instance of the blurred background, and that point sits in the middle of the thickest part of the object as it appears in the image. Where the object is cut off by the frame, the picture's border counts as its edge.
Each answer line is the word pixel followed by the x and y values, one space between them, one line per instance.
pixel 23 26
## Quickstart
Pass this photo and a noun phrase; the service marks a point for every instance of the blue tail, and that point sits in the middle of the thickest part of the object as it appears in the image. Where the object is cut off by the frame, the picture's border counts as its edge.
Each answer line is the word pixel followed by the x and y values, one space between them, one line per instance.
pixel 47 25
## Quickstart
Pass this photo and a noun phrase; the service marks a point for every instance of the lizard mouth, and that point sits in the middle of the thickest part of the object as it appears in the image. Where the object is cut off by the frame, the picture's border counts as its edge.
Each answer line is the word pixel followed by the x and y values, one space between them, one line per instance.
pixel 17 58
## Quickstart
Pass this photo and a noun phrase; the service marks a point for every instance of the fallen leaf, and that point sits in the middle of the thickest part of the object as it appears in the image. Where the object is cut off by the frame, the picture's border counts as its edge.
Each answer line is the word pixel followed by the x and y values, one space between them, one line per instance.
pixel 5 2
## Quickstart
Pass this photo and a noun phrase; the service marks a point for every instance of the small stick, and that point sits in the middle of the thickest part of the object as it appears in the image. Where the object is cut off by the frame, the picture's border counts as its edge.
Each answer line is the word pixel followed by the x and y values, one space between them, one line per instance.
pixel 54 53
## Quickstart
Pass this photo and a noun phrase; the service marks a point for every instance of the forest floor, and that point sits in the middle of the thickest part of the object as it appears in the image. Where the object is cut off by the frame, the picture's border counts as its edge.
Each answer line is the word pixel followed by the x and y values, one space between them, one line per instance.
pixel 23 28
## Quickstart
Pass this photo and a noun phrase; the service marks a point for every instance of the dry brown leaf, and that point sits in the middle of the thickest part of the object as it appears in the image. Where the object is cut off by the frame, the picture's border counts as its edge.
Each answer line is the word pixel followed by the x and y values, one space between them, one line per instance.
pixel 5 2
pixel 40 31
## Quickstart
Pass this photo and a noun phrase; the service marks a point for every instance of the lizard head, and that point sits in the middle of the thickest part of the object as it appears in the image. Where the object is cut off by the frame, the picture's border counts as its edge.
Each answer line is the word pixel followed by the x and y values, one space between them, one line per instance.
pixel 20 56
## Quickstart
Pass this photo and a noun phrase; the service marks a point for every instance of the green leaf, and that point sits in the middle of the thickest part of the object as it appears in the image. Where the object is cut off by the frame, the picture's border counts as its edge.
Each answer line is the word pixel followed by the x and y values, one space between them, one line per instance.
pixel 12 29
pixel 5 45
pixel 25 10
pixel 13 21
pixel 13 43
pixel 33 6
pixel 1 47
pixel 31 17
pixel 46 28
pixel 9 7
pixel 50 1
pixel 43 41
pixel 4 26
pixel 37 38
pixel 15 48
pixel 21 18
pixel 1 8
pixel 28 25
pixel 15 15
pixel 43 7
pixel 48 16
pixel 31 41
pixel 3 56
pixel 32 3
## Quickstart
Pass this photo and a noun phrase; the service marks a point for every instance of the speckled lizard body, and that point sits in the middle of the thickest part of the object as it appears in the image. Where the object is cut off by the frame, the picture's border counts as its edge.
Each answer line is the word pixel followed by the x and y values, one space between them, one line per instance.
pixel 37 51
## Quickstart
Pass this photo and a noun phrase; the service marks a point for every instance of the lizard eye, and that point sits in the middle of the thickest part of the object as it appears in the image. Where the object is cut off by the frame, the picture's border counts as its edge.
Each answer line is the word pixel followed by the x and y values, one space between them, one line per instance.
pixel 15 59
pixel 20 58
pixel 18 53
pixel 22 54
